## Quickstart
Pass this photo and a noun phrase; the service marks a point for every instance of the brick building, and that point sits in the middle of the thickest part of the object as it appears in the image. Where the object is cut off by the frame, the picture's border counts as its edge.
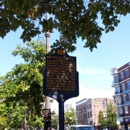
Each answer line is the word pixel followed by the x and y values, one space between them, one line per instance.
pixel 121 84
pixel 81 111
pixel 87 110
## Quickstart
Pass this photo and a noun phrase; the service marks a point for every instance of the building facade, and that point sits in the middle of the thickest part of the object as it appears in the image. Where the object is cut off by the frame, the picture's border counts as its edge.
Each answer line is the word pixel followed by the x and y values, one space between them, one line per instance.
pixel 121 84
pixel 81 111
pixel 87 110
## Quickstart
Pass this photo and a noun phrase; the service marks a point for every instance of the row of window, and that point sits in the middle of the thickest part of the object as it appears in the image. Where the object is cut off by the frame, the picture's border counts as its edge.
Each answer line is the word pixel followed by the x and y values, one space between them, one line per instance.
pixel 126 74
pixel 89 115
pixel 80 116
pixel 118 99
pixel 122 76
pixel 80 107
pixel 83 106
pixel 120 111
pixel 123 87
pixel 124 97
pixel 89 106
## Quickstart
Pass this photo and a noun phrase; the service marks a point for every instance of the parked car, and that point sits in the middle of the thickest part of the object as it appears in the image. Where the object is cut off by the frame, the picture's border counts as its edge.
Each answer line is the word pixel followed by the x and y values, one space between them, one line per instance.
pixel 81 127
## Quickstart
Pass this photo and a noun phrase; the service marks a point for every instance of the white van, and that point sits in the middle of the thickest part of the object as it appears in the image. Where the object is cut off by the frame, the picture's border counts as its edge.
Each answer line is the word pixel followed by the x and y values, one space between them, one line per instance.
pixel 81 127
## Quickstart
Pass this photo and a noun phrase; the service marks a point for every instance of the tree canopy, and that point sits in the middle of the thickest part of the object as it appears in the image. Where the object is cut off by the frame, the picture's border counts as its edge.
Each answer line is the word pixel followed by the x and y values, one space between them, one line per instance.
pixel 109 121
pixel 54 121
pixel 70 117
pixel 21 93
pixel 73 19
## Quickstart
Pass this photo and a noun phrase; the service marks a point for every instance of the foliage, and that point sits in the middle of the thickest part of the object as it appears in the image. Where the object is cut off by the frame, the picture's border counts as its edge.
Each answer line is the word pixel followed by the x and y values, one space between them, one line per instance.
pixel 2 124
pixel 70 117
pixel 102 121
pixel 110 120
pixel 73 19
pixel 54 121
pixel 111 116
pixel 21 89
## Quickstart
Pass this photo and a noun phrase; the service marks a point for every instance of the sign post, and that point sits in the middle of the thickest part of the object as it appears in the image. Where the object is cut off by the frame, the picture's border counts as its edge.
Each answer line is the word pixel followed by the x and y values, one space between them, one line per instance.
pixel 60 79
pixel 61 115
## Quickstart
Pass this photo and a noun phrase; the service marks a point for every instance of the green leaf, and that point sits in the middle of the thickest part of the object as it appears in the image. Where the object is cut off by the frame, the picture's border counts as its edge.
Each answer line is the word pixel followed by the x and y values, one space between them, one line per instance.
pixel 70 18
pixel 21 88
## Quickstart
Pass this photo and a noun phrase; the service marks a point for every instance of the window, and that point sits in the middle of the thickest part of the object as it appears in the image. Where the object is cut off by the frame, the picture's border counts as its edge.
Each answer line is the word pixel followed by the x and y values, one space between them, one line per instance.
pixel 104 114
pixel 117 89
pixel 80 107
pixel 123 127
pixel 81 127
pixel 120 110
pixel 84 105
pixel 122 75
pixel 88 114
pixel 103 104
pixel 126 120
pixel 124 97
pixel 128 84
pixel 129 95
pixel 82 116
pixel 123 86
pixel 116 80
pixel 118 100
pixel 126 110
pixel 127 73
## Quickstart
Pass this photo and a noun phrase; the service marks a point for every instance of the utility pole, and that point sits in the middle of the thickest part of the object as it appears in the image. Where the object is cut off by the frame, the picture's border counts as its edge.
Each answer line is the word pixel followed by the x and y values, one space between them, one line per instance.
pixel 47 115
pixel 47 34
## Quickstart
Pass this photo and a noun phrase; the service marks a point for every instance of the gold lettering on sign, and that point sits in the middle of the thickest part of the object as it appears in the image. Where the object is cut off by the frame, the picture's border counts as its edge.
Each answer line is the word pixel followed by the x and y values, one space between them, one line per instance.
pixel 60 73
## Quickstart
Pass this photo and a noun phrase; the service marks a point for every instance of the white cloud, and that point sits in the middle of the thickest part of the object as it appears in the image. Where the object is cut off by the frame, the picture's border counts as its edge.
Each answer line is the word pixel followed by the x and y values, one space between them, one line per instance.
pixel 90 71
pixel 94 71
pixel 92 92
pixel 105 77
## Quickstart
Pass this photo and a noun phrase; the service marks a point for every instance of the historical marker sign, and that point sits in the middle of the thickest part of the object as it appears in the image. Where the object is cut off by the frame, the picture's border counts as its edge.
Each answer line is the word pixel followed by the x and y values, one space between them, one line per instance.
pixel 60 76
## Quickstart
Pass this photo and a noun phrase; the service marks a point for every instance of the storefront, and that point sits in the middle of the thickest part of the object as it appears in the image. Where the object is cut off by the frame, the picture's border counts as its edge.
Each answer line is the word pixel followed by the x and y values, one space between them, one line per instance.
pixel 125 124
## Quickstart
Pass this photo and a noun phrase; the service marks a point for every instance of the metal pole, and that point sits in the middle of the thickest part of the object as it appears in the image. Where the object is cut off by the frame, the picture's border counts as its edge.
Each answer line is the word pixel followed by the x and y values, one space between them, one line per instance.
pixel 47 37
pixel 61 115
pixel 47 121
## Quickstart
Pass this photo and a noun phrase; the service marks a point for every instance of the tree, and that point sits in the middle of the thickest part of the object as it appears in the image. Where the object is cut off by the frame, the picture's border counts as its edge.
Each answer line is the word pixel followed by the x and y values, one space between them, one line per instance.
pixel 102 121
pixel 21 89
pixel 54 121
pixel 73 19
pixel 110 120
pixel 70 117
pixel 111 116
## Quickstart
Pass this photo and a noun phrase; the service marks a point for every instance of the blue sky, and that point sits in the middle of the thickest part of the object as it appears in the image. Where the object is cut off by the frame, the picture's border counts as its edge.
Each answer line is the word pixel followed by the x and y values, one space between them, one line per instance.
pixel 94 67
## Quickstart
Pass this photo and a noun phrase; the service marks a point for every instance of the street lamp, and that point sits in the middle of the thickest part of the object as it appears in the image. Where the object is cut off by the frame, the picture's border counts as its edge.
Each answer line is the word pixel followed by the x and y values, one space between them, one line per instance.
pixel 118 124
pixel 70 120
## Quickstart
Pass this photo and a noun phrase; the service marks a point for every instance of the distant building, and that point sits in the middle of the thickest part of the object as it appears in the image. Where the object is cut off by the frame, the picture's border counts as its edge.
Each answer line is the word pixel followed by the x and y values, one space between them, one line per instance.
pixel 121 84
pixel 81 111
pixel 87 110
pixel 67 107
